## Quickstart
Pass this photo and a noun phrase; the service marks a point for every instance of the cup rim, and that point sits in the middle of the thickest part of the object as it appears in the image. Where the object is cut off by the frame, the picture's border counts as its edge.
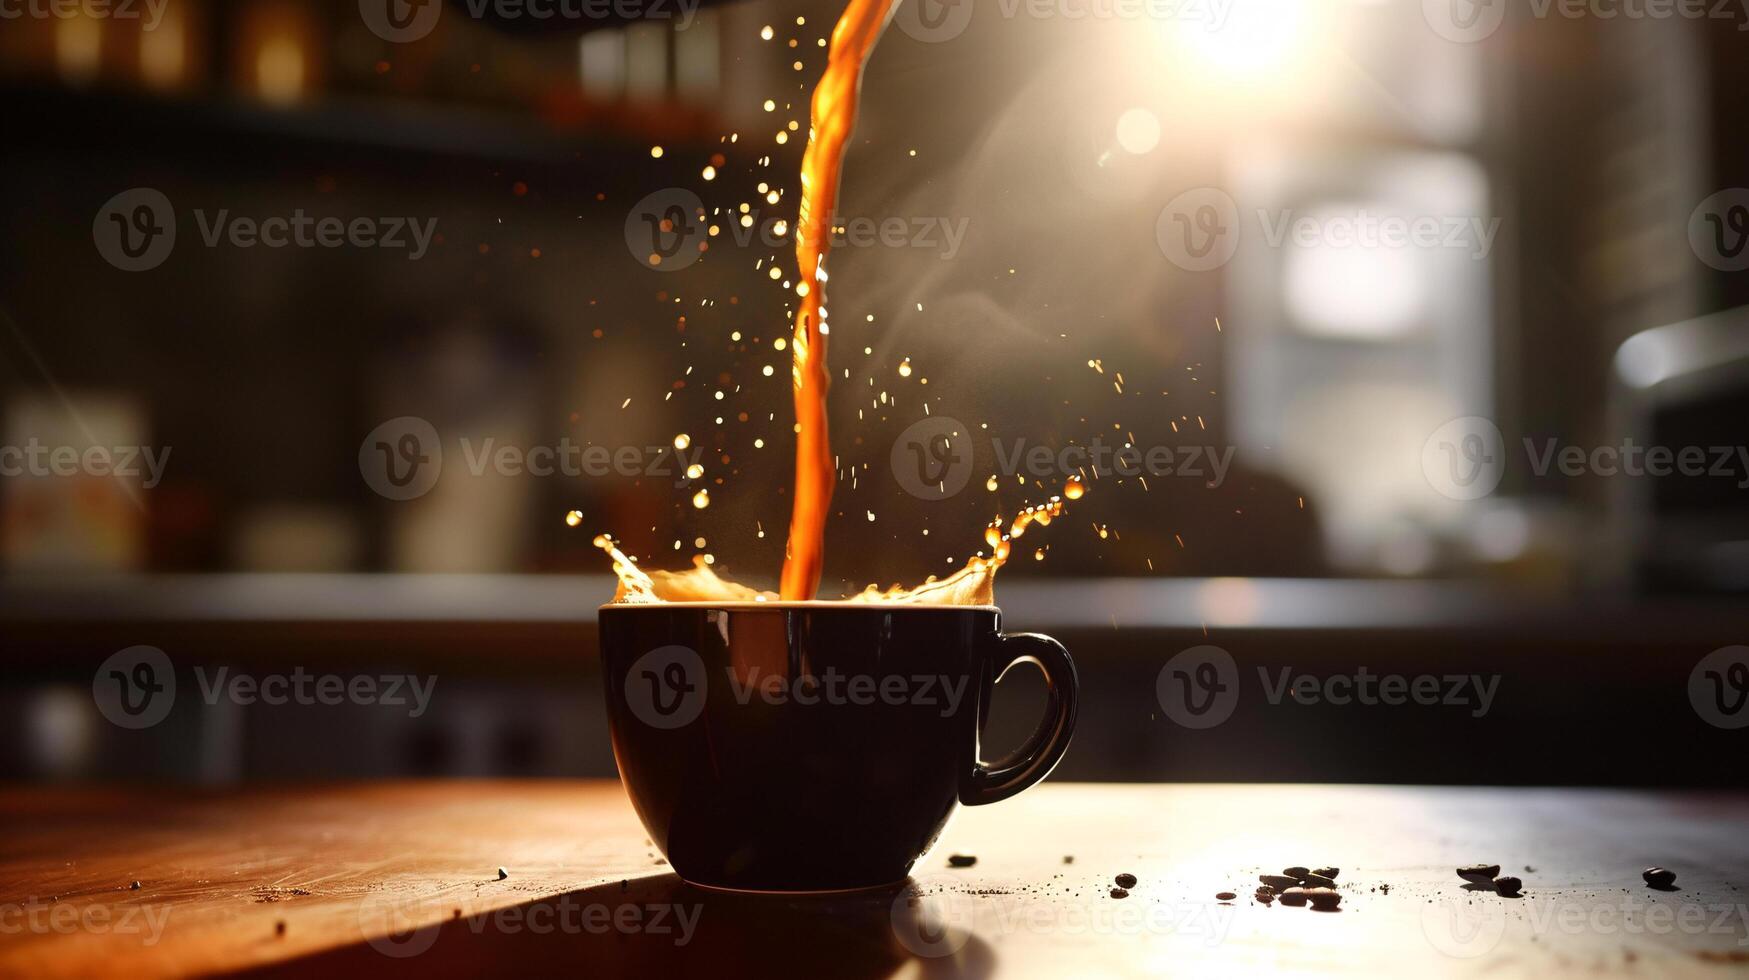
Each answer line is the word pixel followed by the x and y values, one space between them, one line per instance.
pixel 793 604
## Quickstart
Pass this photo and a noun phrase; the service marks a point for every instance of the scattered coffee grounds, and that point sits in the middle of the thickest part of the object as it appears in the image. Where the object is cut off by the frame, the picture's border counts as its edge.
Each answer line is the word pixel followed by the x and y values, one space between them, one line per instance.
pixel 1120 893
pixel 502 874
pixel 1280 883
pixel 135 885
pixel 1659 877
pixel 1295 896
pixel 1068 859
pixel 1327 872
pixel 1481 874
pixel 1296 872
pixel 1225 896
pixel 1125 880
pixel 1508 886
pixel 1324 899
pixel 279 928
pixel 961 860
pixel 1315 880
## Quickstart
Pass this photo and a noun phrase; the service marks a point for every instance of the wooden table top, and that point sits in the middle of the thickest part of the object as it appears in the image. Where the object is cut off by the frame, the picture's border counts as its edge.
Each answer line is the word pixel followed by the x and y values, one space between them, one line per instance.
pixel 403 877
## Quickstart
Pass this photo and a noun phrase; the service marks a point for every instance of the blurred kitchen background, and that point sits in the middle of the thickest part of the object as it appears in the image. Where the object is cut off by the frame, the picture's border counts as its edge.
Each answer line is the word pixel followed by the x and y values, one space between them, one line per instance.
pixel 1601 153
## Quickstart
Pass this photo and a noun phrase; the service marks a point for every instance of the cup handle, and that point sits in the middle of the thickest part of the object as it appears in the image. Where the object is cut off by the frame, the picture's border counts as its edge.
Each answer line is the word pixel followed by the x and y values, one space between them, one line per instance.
pixel 1035 758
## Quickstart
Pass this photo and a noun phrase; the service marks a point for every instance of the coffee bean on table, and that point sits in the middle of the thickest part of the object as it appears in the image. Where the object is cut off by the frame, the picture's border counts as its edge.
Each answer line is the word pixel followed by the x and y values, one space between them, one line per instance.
pixel 1295 872
pixel 1279 882
pixel 1481 874
pixel 1120 893
pixel 1659 877
pixel 1265 894
pixel 1324 899
pixel 1315 880
pixel 1327 872
pixel 1295 896
pixel 1225 896
pixel 1126 880
pixel 1508 886
pixel 961 860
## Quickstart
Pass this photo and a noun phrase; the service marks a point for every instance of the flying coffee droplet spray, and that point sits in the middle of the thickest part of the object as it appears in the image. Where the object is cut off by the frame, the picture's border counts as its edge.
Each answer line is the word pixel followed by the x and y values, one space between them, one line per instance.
pixel 834 108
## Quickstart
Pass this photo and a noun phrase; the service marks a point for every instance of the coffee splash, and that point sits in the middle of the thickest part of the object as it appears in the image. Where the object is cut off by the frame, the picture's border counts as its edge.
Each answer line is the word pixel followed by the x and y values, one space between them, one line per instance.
pixel 972 585
pixel 834 109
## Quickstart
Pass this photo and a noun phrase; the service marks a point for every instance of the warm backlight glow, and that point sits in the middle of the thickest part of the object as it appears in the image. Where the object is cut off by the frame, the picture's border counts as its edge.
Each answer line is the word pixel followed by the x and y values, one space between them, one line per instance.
pixel 164 52
pixel 1138 131
pixel 279 70
pixel 78 48
pixel 1256 37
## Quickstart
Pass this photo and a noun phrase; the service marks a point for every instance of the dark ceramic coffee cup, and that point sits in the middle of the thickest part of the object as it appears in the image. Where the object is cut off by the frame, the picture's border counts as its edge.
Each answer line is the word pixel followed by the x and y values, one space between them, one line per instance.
pixel 815 746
